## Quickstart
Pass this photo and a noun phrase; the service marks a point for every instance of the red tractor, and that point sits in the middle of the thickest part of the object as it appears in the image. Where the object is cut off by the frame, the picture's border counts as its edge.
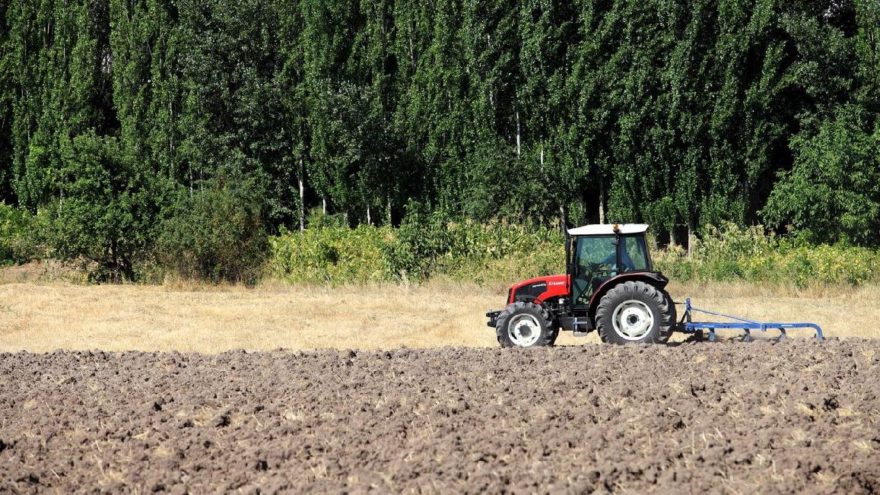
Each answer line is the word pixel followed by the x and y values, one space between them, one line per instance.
pixel 609 286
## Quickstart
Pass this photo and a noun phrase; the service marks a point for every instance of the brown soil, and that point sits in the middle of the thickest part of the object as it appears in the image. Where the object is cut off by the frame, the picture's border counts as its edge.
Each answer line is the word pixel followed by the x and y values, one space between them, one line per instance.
pixel 729 417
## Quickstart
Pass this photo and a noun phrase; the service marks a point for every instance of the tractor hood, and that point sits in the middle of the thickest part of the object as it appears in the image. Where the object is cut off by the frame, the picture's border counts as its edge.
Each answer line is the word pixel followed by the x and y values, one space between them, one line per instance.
pixel 539 288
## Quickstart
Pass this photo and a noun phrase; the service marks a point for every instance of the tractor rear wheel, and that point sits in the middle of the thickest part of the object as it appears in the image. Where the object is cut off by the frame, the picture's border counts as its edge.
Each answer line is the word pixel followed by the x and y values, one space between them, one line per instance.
pixel 635 312
pixel 525 324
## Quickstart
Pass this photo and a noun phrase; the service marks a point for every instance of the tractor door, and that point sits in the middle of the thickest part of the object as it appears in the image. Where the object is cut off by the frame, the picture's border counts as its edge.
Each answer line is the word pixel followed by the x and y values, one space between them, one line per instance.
pixel 594 261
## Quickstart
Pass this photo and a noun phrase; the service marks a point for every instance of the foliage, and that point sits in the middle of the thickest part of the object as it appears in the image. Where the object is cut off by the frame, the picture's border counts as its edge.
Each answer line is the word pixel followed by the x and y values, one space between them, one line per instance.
pixel 214 234
pixel 18 242
pixel 749 254
pixel 425 246
pixel 429 244
pixel 503 254
pixel 330 255
pixel 679 114
pixel 105 210
pixel 833 191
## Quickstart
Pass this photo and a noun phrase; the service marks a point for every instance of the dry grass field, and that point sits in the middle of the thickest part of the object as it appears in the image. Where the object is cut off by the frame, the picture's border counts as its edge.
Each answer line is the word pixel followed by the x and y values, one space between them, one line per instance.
pixel 42 317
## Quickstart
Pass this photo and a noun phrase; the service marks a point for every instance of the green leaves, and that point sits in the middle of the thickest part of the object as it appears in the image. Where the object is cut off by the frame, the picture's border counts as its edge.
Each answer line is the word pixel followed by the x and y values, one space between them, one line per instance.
pixel 832 193
pixel 215 234
pixel 104 211
pixel 680 114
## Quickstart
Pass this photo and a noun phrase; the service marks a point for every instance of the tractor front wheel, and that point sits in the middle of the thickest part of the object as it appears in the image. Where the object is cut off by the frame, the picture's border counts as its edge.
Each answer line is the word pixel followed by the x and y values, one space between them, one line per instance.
pixel 525 324
pixel 634 312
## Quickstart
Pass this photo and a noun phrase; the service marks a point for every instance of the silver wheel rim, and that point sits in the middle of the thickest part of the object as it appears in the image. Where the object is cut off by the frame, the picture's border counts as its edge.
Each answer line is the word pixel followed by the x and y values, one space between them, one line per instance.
pixel 632 320
pixel 524 330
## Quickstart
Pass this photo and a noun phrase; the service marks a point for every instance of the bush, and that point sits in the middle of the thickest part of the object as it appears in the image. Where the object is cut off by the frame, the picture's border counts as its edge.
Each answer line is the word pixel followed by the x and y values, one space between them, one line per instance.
pixel 429 245
pixel 831 191
pixel 331 255
pixel 18 236
pixel 425 245
pixel 106 210
pixel 733 253
pixel 215 234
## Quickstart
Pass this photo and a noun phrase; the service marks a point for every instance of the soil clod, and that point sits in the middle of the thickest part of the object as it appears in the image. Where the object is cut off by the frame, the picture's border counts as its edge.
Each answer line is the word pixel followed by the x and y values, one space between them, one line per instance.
pixel 759 417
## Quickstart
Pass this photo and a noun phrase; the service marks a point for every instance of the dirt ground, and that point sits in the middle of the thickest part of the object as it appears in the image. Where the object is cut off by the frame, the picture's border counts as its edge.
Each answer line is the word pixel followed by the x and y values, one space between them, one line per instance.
pixel 797 416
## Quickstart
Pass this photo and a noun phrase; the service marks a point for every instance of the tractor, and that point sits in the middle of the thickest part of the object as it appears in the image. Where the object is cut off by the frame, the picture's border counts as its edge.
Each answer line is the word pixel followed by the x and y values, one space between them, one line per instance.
pixel 609 286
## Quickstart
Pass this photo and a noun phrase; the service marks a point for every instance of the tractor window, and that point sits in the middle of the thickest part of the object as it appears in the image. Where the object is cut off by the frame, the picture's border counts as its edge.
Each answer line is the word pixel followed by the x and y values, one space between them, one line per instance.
pixel 595 261
pixel 634 254
pixel 597 252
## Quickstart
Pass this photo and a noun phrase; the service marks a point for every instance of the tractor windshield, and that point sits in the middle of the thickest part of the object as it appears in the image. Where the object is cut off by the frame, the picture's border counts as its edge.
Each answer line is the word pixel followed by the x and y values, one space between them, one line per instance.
pixel 596 260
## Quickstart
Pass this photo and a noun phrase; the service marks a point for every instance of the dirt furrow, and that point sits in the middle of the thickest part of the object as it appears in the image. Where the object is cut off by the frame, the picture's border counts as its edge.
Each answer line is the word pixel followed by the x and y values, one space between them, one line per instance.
pixel 797 416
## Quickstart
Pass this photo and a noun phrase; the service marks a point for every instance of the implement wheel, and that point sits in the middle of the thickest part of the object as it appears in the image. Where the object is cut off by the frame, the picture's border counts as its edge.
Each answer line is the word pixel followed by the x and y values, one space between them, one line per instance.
pixel 635 312
pixel 525 324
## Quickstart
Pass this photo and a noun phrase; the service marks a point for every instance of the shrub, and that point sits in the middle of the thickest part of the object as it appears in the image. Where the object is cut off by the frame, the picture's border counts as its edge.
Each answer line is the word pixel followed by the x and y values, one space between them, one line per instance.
pixel 18 236
pixel 331 255
pixel 425 245
pixel 105 212
pixel 215 234
pixel 733 253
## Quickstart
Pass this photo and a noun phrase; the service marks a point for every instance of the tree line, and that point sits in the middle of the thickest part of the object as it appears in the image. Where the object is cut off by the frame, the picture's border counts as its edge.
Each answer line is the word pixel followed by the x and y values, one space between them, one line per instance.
pixel 134 126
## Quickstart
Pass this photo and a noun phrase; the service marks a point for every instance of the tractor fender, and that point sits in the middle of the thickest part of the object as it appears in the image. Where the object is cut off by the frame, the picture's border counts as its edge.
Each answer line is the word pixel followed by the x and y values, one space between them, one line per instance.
pixel 653 278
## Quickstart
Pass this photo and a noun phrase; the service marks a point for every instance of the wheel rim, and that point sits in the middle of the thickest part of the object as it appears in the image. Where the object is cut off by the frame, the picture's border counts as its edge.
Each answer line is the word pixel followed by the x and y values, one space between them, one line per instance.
pixel 632 320
pixel 524 330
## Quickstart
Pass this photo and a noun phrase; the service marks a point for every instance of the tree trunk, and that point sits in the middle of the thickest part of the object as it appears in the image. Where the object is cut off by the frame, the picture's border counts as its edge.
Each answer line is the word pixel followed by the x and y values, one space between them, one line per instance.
pixel 518 148
pixel 369 217
pixel 324 205
pixel 690 240
pixel 601 200
pixel 542 158
pixel 563 218
pixel 302 198
pixel 390 220
pixel 172 172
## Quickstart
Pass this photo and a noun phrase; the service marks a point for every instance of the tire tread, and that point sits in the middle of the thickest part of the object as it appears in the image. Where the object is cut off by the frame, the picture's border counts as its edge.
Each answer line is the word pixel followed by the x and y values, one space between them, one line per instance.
pixel 548 337
pixel 659 297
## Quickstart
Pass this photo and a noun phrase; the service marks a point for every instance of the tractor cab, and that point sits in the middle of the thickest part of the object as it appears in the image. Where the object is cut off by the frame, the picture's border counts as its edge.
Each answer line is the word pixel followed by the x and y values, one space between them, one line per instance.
pixel 598 253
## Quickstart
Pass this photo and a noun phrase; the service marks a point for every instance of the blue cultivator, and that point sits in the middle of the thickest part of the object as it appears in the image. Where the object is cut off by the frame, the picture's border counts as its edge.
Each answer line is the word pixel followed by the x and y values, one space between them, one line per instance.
pixel 696 328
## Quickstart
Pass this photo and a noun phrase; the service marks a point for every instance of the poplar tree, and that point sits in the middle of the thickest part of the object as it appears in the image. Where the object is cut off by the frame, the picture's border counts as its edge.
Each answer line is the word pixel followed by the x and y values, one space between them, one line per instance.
pixel 7 96
pixel 292 81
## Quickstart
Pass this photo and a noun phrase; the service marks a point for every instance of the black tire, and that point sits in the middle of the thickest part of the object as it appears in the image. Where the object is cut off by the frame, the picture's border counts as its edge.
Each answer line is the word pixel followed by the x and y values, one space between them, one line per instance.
pixel 627 302
pixel 515 326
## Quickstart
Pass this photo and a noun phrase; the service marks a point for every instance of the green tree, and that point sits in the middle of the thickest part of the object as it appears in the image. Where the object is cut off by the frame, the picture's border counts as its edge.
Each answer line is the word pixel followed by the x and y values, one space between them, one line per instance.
pixel 7 95
pixel 58 58
pixel 232 118
pixel 832 192
pixel 107 212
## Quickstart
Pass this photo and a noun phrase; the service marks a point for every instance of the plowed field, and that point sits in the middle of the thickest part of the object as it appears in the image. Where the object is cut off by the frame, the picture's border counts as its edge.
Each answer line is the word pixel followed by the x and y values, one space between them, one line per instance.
pixel 797 416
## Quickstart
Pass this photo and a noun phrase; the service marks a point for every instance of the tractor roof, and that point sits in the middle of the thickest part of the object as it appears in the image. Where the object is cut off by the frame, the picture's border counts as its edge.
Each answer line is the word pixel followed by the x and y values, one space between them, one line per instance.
pixel 608 229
